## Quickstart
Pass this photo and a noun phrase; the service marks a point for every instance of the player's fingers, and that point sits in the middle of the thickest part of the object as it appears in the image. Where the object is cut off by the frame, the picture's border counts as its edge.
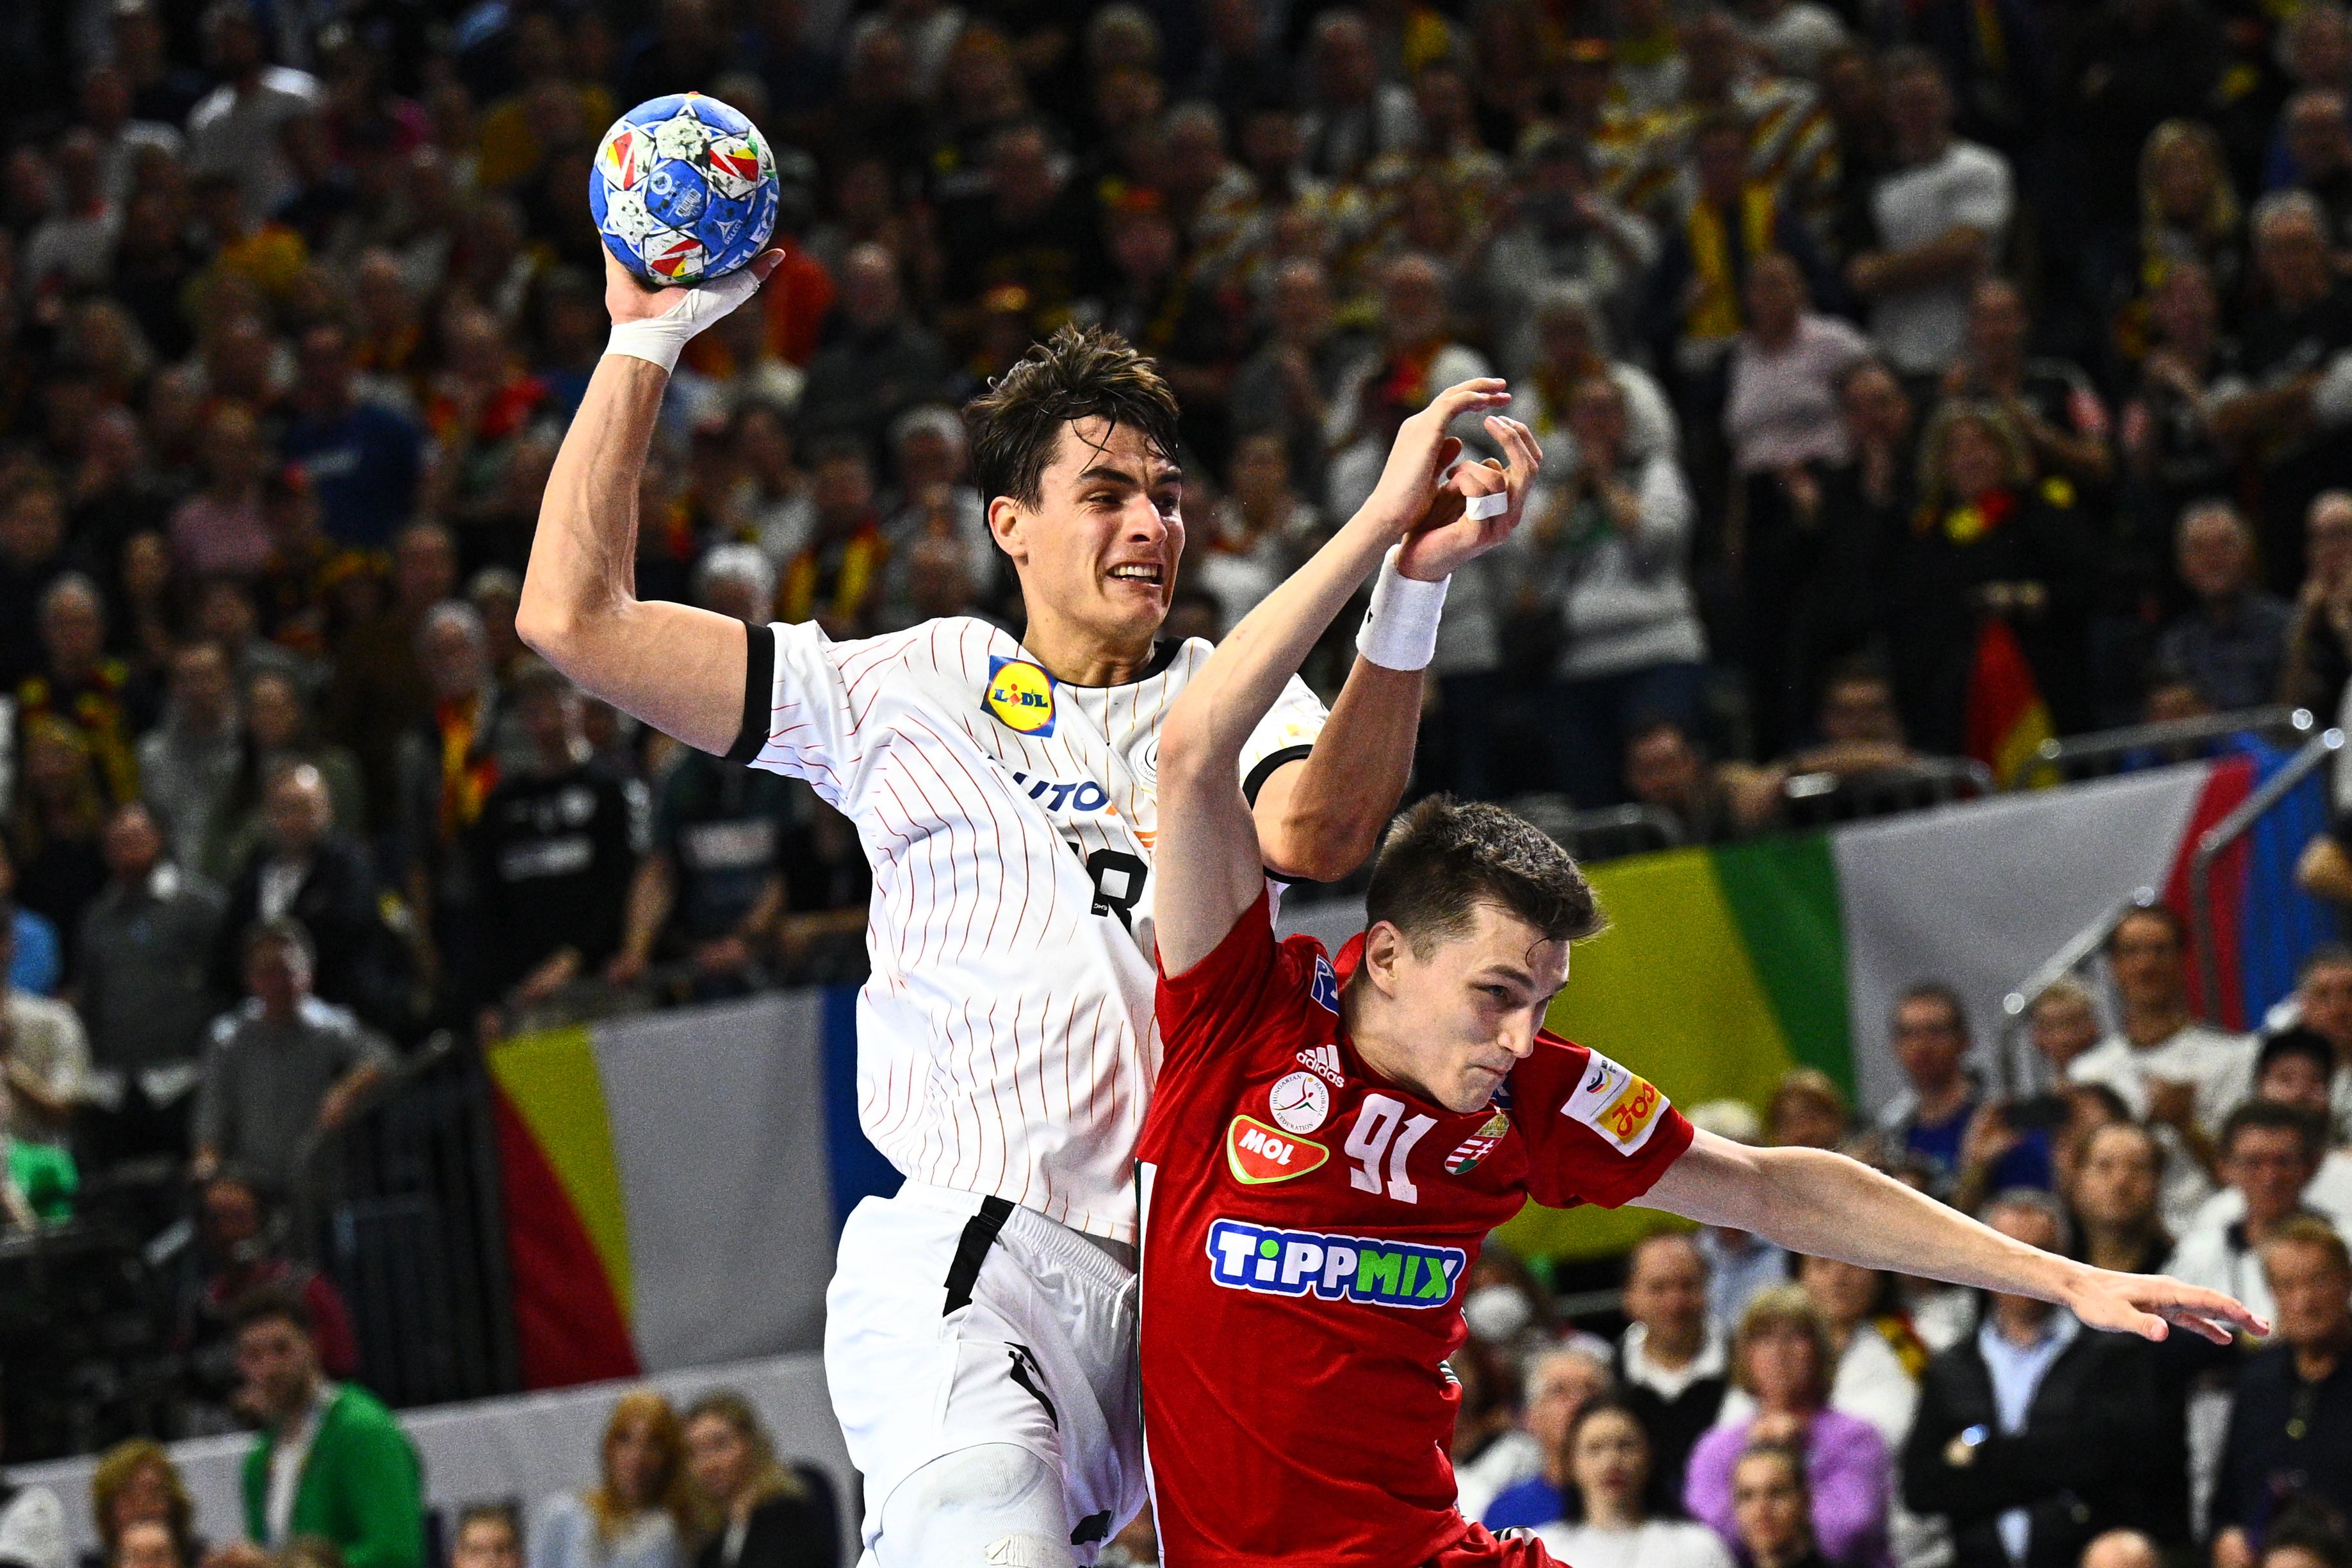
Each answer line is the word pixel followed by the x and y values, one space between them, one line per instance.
pixel 1449 452
pixel 1526 457
pixel 1517 441
pixel 2196 1305
pixel 1480 478
pixel 765 264
pixel 1481 391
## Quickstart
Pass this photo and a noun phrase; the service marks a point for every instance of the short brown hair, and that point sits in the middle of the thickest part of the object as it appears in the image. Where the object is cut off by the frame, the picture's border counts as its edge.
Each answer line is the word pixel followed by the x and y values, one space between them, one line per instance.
pixel 2309 1127
pixel 269 1304
pixel 1445 857
pixel 1076 375
pixel 2310 1230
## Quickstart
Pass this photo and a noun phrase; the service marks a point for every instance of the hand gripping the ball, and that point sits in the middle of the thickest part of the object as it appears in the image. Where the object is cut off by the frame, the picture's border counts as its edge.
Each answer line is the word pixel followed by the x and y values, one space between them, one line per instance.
pixel 655 324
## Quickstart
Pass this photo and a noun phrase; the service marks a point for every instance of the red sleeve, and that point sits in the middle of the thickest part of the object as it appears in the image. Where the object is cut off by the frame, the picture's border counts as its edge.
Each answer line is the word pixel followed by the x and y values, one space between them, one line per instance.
pixel 1597 1132
pixel 1225 998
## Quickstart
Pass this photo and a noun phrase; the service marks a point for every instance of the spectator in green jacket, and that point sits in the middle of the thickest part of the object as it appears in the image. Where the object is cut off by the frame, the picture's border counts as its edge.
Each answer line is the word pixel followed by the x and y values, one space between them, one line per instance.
pixel 37 1181
pixel 331 1461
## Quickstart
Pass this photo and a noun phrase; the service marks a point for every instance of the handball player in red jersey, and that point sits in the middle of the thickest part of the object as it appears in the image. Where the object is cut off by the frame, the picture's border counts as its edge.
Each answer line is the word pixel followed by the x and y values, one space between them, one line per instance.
pixel 1330 1140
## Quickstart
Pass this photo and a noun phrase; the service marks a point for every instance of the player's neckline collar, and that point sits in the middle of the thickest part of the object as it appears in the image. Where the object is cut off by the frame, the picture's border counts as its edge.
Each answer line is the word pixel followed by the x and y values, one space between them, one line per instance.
pixel 1164 654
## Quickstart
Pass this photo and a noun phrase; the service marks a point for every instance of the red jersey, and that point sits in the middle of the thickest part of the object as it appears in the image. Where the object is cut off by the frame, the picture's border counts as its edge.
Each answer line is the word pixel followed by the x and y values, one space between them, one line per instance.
pixel 1307 1228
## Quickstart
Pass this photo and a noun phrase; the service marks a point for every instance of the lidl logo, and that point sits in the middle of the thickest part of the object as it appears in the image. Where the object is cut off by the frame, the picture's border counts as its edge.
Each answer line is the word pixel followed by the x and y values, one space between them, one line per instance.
pixel 1257 1153
pixel 1020 694
pixel 1364 1269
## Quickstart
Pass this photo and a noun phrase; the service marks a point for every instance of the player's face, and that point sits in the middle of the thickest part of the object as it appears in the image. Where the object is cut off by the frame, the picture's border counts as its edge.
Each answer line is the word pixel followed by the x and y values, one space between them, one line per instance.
pixel 1097 554
pixel 1467 1012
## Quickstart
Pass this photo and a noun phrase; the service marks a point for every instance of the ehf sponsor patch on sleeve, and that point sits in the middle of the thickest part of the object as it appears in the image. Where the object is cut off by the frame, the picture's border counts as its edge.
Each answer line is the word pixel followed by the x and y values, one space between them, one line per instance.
pixel 1324 987
pixel 1617 1103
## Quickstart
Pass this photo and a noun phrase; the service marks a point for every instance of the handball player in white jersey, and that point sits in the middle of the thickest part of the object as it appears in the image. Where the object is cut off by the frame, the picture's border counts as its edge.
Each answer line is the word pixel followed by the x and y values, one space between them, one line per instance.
pixel 980 1340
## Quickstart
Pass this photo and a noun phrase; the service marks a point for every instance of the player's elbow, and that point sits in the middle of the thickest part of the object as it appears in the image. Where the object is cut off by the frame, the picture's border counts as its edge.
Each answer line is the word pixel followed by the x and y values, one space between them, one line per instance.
pixel 1189 756
pixel 560 632
pixel 1318 848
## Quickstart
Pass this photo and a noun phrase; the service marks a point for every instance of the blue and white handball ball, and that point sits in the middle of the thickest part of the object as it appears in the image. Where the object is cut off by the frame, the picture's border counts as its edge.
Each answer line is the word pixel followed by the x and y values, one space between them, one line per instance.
pixel 684 190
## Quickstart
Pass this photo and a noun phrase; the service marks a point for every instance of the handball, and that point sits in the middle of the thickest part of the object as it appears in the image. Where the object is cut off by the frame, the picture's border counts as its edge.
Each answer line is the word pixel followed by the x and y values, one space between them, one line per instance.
pixel 684 190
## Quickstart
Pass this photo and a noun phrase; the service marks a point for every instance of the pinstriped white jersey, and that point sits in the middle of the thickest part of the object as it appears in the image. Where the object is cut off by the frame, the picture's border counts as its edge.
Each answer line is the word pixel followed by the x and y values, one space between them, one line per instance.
pixel 1004 1041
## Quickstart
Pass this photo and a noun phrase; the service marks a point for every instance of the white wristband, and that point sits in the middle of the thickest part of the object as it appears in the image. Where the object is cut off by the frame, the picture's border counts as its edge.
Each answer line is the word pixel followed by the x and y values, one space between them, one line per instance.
pixel 659 339
pixel 1400 631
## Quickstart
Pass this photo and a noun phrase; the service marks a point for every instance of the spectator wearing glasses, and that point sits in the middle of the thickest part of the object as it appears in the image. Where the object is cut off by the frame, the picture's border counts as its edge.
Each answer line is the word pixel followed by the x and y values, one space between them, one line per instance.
pixel 2270 1153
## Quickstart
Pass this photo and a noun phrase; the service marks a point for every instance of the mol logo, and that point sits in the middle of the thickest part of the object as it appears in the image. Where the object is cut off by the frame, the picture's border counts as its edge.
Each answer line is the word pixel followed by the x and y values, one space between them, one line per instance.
pixel 1364 1269
pixel 1020 696
pixel 1257 1153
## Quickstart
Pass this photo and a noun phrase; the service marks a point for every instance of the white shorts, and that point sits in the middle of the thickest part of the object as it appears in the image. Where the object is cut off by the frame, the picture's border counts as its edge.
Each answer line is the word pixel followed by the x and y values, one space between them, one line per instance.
pixel 954 1320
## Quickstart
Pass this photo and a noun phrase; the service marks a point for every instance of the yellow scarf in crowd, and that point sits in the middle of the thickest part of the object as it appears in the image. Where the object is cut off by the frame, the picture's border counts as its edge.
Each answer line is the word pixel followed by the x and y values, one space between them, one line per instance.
pixel 1716 314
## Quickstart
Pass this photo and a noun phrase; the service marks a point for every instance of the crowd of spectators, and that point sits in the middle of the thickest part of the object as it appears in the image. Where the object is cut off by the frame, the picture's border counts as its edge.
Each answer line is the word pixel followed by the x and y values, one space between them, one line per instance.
pixel 332 1481
pixel 1906 371
pixel 1916 378
pixel 1773 1410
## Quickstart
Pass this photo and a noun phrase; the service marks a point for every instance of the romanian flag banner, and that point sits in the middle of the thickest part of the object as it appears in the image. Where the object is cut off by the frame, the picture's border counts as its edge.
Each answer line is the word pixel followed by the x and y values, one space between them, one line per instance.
pixel 674 1183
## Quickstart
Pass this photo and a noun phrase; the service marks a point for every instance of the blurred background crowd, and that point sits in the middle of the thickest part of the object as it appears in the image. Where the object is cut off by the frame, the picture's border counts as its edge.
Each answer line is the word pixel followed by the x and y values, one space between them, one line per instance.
pixel 1920 380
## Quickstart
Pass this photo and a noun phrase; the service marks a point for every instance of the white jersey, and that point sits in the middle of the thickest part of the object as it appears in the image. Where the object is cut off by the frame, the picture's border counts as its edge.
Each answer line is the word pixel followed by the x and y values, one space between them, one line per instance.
pixel 1004 1041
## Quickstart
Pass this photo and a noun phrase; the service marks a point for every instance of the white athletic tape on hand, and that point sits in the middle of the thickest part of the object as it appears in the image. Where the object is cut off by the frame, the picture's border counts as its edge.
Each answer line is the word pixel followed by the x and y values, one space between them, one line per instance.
pixel 1479 508
pixel 1400 631
pixel 661 339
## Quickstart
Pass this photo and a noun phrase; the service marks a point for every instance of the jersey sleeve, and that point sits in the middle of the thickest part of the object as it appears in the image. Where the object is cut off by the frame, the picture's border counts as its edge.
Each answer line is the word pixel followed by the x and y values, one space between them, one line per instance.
pixel 1285 734
pixel 1597 1132
pixel 797 716
pixel 1217 1007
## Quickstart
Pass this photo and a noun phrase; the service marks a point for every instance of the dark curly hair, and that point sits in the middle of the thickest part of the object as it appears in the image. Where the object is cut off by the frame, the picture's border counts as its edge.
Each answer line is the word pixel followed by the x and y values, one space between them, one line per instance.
pixel 1074 375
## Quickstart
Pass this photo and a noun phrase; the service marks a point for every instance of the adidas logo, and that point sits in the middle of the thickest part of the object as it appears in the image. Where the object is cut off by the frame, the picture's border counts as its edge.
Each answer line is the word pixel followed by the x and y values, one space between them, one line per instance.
pixel 1323 1061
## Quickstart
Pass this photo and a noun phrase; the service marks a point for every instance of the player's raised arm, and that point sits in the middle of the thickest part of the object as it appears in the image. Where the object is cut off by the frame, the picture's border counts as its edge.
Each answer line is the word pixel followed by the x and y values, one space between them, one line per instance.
pixel 1812 1201
pixel 1320 818
pixel 1211 863
pixel 679 669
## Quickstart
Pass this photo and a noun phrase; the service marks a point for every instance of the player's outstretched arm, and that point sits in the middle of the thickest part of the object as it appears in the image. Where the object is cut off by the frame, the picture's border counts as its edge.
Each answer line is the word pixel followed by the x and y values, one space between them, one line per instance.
pixel 1210 864
pixel 678 668
pixel 1812 1201
pixel 1322 817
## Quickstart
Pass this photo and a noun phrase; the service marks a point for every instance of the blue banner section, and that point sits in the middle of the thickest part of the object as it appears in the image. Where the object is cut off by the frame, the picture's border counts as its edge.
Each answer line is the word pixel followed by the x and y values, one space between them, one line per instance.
pixel 2279 924
pixel 858 1167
